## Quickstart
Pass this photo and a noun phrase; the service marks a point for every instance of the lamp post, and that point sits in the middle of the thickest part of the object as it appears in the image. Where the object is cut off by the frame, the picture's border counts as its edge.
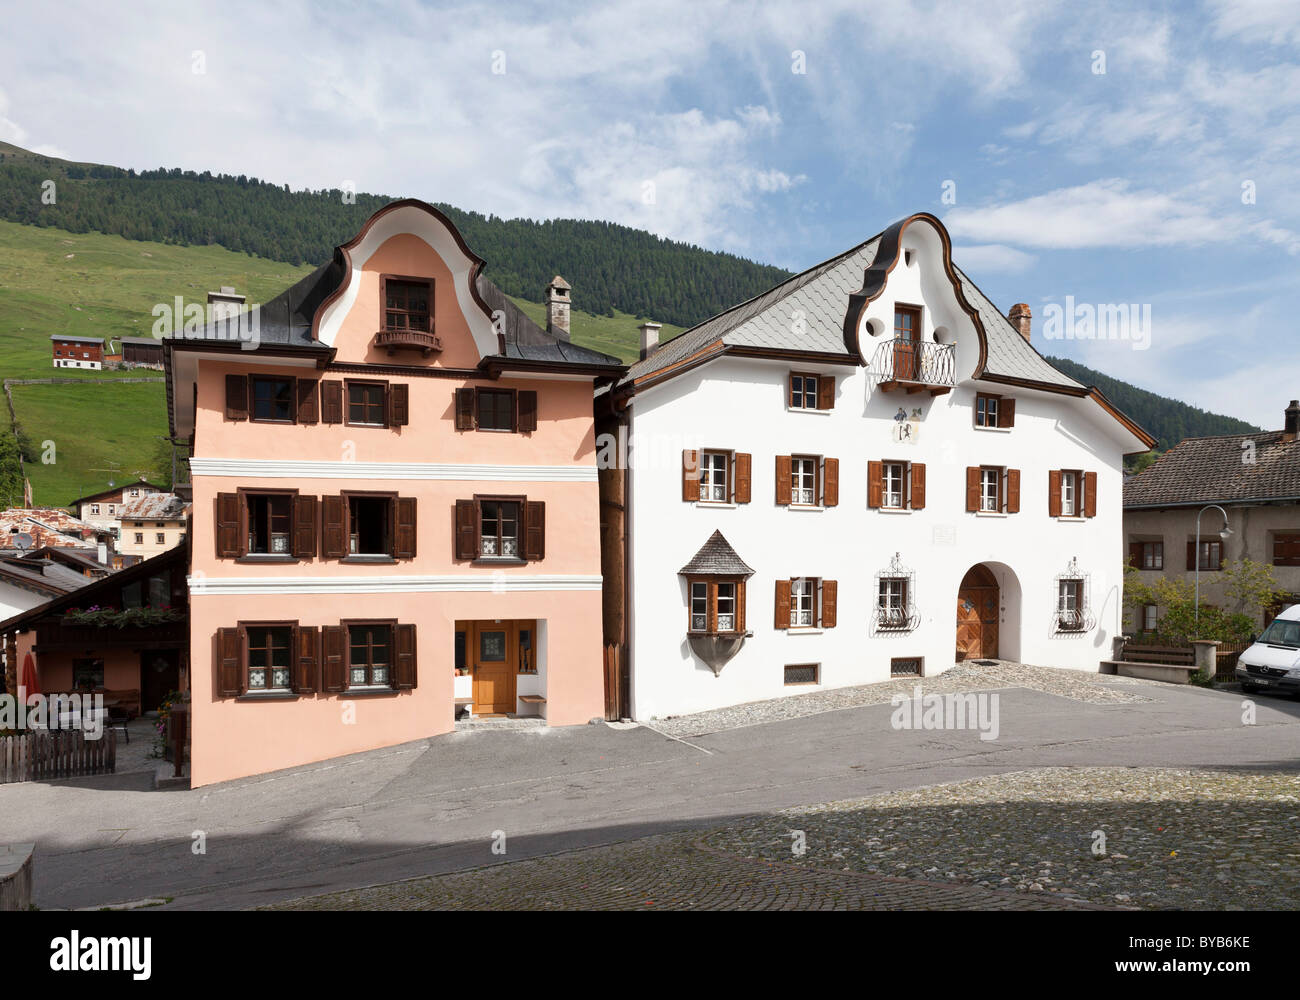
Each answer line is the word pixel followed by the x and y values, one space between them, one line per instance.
pixel 1223 534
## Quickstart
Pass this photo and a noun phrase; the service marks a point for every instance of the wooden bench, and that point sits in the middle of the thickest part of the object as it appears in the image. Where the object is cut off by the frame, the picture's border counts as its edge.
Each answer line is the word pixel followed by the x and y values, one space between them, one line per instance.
pixel 1181 655
pixel 533 699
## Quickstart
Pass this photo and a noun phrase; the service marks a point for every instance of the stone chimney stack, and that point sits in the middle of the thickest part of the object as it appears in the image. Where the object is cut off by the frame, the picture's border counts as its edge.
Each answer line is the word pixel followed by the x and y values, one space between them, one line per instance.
pixel 558 299
pixel 649 338
pixel 1020 317
pixel 224 304
pixel 1291 429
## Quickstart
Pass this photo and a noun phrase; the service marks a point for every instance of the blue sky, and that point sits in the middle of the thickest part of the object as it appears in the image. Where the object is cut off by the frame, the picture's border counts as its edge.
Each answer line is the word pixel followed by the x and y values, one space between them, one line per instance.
pixel 688 118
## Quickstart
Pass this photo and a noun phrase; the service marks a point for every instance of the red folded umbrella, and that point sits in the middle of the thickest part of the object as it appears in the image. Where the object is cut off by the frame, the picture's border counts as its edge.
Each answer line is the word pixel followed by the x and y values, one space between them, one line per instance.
pixel 29 679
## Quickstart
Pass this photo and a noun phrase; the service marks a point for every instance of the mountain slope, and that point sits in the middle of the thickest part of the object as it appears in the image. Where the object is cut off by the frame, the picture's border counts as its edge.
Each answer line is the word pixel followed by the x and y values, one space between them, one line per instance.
pixel 610 267
pixel 1168 419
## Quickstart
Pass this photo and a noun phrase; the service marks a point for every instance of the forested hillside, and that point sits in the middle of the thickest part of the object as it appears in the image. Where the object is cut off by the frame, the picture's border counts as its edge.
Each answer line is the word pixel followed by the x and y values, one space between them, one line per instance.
pixel 1168 419
pixel 611 267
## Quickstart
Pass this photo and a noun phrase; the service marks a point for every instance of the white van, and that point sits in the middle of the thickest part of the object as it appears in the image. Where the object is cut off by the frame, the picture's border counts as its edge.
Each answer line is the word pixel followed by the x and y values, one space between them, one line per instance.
pixel 1273 662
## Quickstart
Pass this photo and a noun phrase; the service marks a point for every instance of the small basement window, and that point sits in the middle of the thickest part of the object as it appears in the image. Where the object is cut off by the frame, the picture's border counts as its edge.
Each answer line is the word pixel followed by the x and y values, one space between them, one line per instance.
pixel 800 673
pixel 906 666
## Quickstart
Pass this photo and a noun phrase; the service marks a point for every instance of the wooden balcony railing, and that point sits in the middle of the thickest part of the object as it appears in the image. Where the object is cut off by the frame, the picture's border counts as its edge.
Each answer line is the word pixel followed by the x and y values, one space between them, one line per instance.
pixel 408 340
pixel 914 365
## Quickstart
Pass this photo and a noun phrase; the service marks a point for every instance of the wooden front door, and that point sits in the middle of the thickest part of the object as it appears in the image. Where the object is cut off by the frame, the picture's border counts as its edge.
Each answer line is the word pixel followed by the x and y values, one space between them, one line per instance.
pixel 907 341
pixel 492 651
pixel 978 610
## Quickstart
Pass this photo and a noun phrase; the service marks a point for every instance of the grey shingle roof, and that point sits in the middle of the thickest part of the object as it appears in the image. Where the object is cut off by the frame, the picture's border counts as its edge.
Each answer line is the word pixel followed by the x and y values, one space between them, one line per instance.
pixel 1211 470
pixel 819 297
pixel 716 558
pixel 525 339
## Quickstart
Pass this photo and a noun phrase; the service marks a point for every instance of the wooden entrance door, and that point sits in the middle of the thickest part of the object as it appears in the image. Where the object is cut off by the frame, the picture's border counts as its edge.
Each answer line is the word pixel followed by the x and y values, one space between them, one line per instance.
pixel 492 656
pixel 978 609
pixel 907 342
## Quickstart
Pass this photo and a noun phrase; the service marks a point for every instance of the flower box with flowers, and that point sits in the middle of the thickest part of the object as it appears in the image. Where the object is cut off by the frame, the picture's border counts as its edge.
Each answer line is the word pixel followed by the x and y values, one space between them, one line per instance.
pixel 110 617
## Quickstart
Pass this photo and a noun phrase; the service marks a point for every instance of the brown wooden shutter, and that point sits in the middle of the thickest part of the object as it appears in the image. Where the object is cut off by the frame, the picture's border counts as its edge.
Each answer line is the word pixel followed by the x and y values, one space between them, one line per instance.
pixel 875 484
pixel 331 401
pixel 1191 555
pixel 830 591
pixel 690 474
pixel 236 397
pixel 973 487
pixel 740 605
pixel 782 604
pixel 1013 491
pixel 306 644
pixel 403 676
pixel 1090 494
pixel 830 482
pixel 333 531
pixel 399 405
pixel 465 530
pixel 404 535
pixel 229 535
pixel 306 393
pixel 743 477
pixel 918 486
pixel 1135 554
pixel 304 527
pixel 534 529
pixel 526 419
pixel 1006 412
pixel 825 392
pixel 333 659
pixel 1054 493
pixel 465 409
pixel 784 489
pixel 230 669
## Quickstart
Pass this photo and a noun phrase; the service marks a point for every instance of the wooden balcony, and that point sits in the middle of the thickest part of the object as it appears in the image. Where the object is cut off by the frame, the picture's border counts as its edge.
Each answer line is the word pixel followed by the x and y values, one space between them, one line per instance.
pixel 914 366
pixel 408 340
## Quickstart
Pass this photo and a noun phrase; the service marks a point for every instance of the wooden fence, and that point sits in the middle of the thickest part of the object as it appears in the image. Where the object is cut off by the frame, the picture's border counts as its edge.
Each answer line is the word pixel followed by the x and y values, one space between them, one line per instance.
pixel 616 682
pixel 40 756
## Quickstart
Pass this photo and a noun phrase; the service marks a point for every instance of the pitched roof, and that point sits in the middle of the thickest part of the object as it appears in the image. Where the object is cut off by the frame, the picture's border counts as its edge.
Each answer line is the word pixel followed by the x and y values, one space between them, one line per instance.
pixel 806 313
pixel 716 558
pixel 40 577
pixel 46 525
pixel 79 340
pixel 525 340
pixel 154 507
pixel 1206 470
pixel 113 490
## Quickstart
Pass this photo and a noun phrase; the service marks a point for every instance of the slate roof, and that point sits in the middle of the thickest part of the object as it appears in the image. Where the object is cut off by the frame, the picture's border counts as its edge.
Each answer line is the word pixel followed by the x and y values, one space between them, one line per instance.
pixel 819 297
pixel 525 339
pixel 716 558
pixel 154 507
pixel 1205 470
pixel 41 577
pixel 79 340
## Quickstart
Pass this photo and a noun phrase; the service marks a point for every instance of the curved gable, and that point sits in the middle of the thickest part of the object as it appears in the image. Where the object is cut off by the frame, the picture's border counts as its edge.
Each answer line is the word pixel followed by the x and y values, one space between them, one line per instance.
pixel 409 238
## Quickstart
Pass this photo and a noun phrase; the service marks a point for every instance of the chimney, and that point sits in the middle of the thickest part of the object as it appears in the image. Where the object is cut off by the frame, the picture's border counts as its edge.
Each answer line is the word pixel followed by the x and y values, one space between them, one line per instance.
pixel 649 338
pixel 1291 429
pixel 224 304
pixel 1020 317
pixel 557 308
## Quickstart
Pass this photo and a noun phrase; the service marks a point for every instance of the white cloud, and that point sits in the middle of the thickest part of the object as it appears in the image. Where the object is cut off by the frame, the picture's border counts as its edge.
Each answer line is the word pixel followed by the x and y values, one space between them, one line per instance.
pixel 992 258
pixel 1274 21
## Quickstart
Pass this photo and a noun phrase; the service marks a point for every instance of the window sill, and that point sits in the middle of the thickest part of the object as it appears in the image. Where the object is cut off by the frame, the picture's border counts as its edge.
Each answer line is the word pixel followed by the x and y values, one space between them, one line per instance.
pixel 1072 518
pixel 716 504
pixel 373 689
pixel 995 430
pixel 807 507
pixel 268 696
pixel 259 557
pixel 499 561
pixel 804 630
pixel 721 635
pixel 804 409
pixel 363 558
pixel 895 510
pixel 991 513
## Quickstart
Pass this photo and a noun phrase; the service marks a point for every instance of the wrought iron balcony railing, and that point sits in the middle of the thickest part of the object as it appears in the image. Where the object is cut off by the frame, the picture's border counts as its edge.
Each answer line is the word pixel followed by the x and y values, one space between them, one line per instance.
pixel 915 365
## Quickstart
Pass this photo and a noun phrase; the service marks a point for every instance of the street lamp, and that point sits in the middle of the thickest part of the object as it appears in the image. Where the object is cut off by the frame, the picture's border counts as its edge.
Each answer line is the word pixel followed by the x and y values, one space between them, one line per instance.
pixel 1223 533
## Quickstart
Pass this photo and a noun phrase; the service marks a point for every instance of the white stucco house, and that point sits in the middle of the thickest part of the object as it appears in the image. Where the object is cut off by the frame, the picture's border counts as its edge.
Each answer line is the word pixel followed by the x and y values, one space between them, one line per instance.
pixel 865 472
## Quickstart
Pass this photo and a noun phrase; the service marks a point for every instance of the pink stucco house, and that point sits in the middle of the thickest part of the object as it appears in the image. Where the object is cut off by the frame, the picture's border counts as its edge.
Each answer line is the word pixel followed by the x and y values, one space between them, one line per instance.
pixel 395 506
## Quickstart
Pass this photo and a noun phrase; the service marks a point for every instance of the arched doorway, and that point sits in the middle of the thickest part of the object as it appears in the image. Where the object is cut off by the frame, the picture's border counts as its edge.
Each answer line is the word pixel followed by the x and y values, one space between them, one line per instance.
pixel 979 604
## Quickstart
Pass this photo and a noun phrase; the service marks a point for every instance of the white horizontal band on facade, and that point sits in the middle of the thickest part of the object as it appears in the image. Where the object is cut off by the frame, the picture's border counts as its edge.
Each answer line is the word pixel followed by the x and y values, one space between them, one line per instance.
pixel 288 585
pixel 290 469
